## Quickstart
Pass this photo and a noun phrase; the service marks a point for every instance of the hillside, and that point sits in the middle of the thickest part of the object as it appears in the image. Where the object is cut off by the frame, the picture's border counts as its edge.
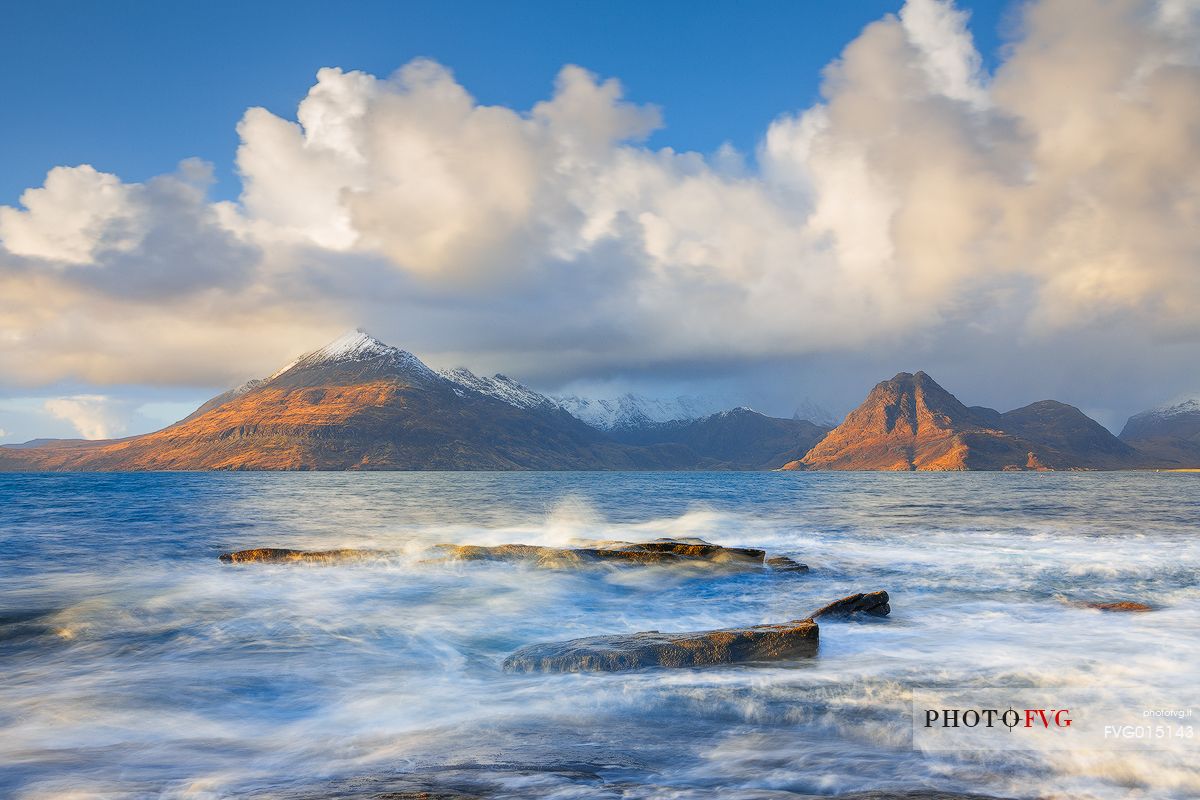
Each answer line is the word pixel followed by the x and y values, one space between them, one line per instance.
pixel 910 423
pixel 359 404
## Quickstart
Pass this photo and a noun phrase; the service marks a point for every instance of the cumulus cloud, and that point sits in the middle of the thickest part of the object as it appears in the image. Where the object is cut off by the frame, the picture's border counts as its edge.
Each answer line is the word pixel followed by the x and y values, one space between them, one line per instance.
pixel 159 239
pixel 921 197
pixel 77 212
pixel 95 416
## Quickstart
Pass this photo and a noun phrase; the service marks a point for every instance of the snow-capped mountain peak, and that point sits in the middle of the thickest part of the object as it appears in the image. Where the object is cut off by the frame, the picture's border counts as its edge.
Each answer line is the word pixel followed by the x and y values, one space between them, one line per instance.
pixel 1189 406
pixel 631 411
pixel 500 387
pixel 355 348
pixel 352 345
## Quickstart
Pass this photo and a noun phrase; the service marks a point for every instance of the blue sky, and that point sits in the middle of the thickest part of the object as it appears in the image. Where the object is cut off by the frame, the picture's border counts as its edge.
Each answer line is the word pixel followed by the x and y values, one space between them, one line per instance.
pixel 133 87
pixel 999 193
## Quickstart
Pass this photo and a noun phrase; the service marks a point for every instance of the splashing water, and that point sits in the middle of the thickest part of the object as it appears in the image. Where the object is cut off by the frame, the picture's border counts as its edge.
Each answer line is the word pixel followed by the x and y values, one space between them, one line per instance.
pixel 136 665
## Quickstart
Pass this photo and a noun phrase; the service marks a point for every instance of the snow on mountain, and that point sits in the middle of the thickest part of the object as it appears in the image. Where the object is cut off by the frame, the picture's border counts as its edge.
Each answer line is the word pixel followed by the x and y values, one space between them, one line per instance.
pixel 815 413
pixel 357 350
pixel 1189 406
pixel 630 411
pixel 1180 418
pixel 626 412
pixel 501 387
pixel 359 347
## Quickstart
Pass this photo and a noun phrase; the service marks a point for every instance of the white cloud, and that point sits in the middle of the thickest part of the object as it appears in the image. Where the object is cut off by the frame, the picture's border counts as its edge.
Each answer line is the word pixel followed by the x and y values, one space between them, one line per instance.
pixel 947 51
pixel 920 198
pixel 94 416
pixel 75 214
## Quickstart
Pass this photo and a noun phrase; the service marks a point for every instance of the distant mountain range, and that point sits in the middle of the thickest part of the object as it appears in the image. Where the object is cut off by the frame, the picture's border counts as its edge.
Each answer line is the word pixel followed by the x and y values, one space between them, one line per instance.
pixel 1169 435
pixel 358 403
pixel 632 412
pixel 912 423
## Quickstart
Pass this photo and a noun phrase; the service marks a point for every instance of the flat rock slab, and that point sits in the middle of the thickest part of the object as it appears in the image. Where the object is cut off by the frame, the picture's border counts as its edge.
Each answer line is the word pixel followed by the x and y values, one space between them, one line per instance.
pixel 872 604
pixel 654 649
pixel 1127 606
pixel 657 552
pixel 279 555
pixel 785 564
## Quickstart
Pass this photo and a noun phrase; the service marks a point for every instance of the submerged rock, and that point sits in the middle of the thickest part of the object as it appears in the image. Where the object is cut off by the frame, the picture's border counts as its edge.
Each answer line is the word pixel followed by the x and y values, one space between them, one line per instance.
pixel 785 564
pixel 654 649
pixel 659 551
pixel 662 551
pixel 283 555
pixel 698 548
pixel 1123 605
pixel 874 604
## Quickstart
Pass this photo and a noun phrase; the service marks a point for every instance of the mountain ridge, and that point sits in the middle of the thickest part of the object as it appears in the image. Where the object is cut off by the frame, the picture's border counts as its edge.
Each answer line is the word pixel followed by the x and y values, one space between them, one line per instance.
pixel 911 423
pixel 1169 435
pixel 357 403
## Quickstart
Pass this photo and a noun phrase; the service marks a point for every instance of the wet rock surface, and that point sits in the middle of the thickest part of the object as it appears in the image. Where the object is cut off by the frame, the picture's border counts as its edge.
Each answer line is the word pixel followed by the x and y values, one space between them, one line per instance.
pixel 279 555
pixel 788 640
pixel 872 604
pixel 1127 606
pixel 785 564
pixel 661 551
pixel 655 649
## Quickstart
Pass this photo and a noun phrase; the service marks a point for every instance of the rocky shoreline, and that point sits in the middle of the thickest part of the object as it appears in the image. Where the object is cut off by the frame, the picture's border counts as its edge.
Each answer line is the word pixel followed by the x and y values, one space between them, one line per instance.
pixel 656 552
pixel 794 640
pixel 790 640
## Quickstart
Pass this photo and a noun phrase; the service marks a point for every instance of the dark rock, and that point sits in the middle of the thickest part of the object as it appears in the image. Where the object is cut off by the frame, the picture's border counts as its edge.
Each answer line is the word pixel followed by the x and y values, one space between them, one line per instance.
pixel 785 564
pixel 654 649
pixel 874 604
pixel 1123 605
pixel 279 555
pixel 697 548
pixel 662 551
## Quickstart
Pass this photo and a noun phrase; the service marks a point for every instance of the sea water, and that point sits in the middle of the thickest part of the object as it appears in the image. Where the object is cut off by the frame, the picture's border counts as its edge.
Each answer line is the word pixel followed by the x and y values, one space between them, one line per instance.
pixel 134 664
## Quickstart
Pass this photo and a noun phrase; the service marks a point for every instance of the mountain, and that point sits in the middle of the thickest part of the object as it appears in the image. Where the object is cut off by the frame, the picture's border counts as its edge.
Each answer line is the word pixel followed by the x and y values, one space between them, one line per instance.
pixel 358 403
pixel 630 412
pixel 812 412
pixel 1066 438
pixel 47 443
pixel 739 438
pixel 912 423
pixel 500 387
pixel 1168 436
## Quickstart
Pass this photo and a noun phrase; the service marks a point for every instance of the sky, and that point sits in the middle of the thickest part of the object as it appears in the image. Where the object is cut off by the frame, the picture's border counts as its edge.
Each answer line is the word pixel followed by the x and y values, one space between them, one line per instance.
pixel 769 202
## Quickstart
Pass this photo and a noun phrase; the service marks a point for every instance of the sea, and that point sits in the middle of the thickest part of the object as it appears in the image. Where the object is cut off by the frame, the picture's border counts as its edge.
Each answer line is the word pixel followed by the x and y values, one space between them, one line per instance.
pixel 135 664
